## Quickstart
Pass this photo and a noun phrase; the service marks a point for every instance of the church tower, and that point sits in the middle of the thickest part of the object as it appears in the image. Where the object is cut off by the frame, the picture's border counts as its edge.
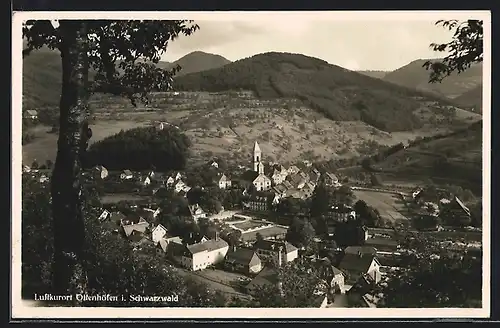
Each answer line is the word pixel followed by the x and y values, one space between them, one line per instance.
pixel 257 159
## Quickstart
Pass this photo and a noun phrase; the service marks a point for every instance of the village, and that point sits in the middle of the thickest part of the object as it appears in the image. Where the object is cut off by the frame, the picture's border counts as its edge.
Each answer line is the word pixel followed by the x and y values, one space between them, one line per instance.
pixel 238 240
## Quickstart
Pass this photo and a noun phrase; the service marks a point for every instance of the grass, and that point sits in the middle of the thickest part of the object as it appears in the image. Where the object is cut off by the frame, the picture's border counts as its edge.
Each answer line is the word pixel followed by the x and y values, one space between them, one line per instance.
pixel 266 233
pixel 389 205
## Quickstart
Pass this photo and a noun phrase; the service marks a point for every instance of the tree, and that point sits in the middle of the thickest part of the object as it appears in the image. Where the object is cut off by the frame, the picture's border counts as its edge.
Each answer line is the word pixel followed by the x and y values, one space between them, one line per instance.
pixel 300 232
pixel 296 283
pixel 122 55
pixel 433 277
pixel 465 49
pixel 320 201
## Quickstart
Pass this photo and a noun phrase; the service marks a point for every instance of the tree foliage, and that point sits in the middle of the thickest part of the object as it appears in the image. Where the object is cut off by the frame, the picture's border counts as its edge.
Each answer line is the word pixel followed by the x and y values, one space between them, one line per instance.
pixel 433 277
pixel 465 49
pixel 140 149
pixel 122 55
pixel 300 232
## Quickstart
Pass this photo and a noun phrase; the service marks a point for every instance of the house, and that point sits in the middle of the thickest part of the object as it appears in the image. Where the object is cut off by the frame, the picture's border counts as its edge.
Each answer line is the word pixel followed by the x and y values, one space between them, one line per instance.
pixel 208 252
pixel 243 260
pixel 262 183
pixel 278 177
pixel 30 114
pixel 167 241
pixel 131 224
pixel 287 185
pixel 331 179
pixel 158 233
pixel 126 175
pixel 104 216
pixel 297 180
pixel 146 181
pixel 43 178
pixel 334 277
pixel 416 193
pixel 178 176
pixel 267 277
pixel 196 212
pixel 100 172
pixel 149 214
pixel 292 170
pixel 170 181
pixel 356 265
pixel 341 213
pixel 180 186
pixel 138 238
pixel 280 190
pixel 314 176
pixel 278 252
pixel 214 164
pixel 223 182
pixel 26 169
pixel 257 203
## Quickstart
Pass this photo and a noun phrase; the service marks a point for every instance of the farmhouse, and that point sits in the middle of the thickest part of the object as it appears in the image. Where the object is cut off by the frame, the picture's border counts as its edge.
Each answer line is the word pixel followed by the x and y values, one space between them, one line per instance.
pixel 223 182
pixel 209 252
pixel 356 265
pixel 158 233
pixel 196 212
pixel 243 260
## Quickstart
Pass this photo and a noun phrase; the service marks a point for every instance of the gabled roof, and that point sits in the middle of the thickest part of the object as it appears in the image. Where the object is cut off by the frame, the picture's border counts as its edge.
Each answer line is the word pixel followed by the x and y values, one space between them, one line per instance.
pixel 127 172
pixel 331 176
pixel 363 285
pixel 287 184
pixel 352 262
pixel 31 112
pixel 462 205
pixel 261 177
pixel 267 276
pixel 365 250
pixel 209 245
pixel 244 256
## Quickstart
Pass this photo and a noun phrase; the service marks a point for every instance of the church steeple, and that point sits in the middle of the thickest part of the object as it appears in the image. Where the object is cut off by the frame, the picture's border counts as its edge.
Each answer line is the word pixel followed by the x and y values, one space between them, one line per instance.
pixel 257 159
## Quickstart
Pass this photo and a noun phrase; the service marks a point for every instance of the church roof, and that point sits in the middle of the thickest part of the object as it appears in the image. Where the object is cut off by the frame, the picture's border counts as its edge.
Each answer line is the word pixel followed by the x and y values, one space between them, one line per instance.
pixel 256 147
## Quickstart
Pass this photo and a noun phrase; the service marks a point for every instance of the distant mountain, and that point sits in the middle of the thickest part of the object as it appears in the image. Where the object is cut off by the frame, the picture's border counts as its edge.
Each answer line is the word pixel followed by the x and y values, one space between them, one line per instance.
pixel 199 61
pixel 42 74
pixel 414 75
pixel 338 93
pixel 375 74
pixel 472 99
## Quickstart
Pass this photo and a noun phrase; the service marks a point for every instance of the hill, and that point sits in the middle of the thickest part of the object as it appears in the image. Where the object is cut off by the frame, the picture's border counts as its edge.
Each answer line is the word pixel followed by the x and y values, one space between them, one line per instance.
pixel 42 74
pixel 415 76
pixel 338 93
pixel 454 158
pixel 199 61
pixel 375 74
pixel 472 99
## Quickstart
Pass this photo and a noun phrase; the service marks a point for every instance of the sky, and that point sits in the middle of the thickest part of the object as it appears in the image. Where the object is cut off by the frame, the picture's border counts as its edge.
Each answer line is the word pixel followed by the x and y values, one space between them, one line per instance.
pixel 353 44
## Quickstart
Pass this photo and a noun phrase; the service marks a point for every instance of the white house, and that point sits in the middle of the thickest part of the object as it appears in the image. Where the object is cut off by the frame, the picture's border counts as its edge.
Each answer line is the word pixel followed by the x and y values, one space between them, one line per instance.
pixel 126 175
pixel 262 183
pixel 158 233
pixel 170 181
pixel 224 182
pixel 146 181
pixel 101 172
pixel 179 185
pixel 104 216
pixel 356 265
pixel 31 114
pixel 209 252
pixel 215 164
pixel 197 212
pixel 278 177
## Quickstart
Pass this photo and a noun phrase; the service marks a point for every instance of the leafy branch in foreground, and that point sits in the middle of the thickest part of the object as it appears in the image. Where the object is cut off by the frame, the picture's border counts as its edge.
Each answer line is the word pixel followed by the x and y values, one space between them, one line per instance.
pixel 465 49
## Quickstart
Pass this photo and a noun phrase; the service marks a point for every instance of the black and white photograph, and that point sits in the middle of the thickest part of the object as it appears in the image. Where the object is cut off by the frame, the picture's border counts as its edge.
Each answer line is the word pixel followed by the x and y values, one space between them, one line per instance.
pixel 251 164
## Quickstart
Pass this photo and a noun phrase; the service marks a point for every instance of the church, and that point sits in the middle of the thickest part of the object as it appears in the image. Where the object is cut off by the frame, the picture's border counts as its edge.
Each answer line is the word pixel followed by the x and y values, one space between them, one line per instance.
pixel 256 176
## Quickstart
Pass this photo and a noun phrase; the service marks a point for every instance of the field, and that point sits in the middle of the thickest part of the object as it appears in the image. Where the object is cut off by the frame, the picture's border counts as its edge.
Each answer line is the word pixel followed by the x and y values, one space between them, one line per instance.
pixel 389 205
pixel 266 232
pixel 286 130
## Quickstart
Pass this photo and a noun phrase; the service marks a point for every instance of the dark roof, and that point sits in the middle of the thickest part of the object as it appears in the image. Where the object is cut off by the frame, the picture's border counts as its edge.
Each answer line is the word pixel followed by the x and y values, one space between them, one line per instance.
pixel 243 256
pixel 265 277
pixel 381 242
pixel 136 236
pixel 352 262
pixel 363 285
pixel 271 245
pixel 368 250
pixel 249 175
